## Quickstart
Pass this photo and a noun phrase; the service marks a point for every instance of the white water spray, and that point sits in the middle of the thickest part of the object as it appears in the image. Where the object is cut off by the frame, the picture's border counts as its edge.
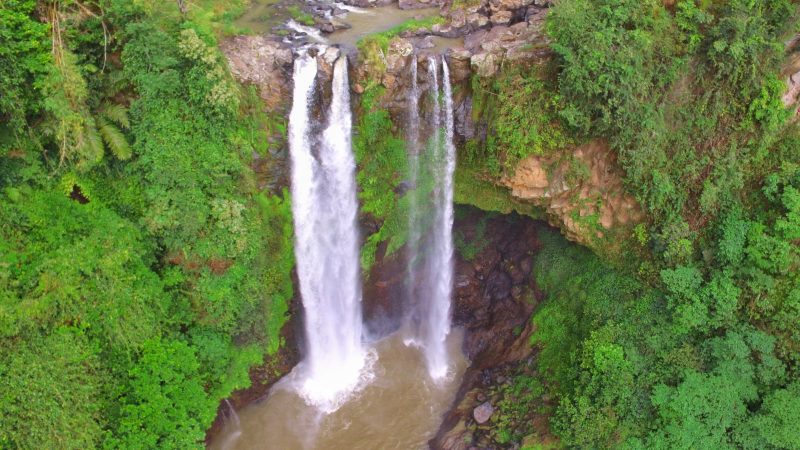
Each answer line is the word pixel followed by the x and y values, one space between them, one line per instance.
pixel 441 263
pixel 325 209
pixel 312 32
pixel 412 319
pixel 430 231
pixel 352 9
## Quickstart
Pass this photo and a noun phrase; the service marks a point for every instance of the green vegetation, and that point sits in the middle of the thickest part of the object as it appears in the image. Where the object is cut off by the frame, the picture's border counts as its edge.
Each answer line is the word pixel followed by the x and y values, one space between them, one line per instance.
pixel 469 248
pixel 473 187
pixel 300 16
pixel 696 346
pixel 520 107
pixel 380 41
pixel 382 167
pixel 142 274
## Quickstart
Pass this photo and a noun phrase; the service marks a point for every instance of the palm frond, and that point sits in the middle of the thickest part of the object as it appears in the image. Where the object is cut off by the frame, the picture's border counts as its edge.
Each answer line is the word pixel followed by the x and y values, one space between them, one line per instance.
pixel 114 139
pixel 116 113
pixel 92 148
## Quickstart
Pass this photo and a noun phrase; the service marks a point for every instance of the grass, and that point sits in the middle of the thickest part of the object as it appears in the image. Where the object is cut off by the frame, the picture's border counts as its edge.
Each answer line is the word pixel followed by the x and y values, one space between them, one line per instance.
pixel 413 25
pixel 300 16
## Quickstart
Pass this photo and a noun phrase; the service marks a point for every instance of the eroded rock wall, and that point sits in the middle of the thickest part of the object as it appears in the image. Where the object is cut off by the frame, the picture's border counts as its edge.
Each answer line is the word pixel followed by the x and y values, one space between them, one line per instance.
pixel 581 191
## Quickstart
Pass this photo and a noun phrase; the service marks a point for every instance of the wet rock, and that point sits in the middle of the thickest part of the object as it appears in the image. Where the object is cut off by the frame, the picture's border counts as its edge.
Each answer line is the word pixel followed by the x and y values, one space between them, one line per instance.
pixel 459 62
pixel 418 4
pixel 483 412
pixel 326 59
pixel 458 439
pixel 326 26
pixel 498 285
pixel 426 43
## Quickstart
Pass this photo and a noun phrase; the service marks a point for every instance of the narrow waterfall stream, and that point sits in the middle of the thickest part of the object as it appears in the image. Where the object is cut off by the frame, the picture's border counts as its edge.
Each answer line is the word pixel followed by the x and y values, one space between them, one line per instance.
pixel 326 246
pixel 432 165
pixel 440 267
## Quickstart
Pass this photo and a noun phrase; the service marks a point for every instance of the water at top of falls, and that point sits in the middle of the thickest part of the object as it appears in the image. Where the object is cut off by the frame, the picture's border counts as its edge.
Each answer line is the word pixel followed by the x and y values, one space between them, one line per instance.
pixel 325 208
pixel 312 32
pixel 352 9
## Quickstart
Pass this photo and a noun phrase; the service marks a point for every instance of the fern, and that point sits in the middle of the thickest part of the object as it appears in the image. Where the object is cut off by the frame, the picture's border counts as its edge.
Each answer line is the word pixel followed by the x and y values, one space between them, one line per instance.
pixel 93 144
pixel 114 139
pixel 116 113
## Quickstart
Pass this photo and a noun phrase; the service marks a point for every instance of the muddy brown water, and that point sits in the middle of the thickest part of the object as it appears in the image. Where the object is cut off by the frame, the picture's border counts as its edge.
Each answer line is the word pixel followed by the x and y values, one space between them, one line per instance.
pixel 401 408
pixel 261 17
pixel 376 20
pixel 264 15
pixel 384 18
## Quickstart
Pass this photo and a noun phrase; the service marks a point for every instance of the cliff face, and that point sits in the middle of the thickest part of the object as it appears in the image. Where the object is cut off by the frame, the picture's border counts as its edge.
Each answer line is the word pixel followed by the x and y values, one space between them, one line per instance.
pixel 581 191
pixel 578 187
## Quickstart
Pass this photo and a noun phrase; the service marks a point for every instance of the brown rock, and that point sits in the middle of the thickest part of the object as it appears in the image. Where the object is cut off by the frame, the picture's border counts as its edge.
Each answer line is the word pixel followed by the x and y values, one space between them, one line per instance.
pixel 485 65
pixel 549 183
pixel 501 18
pixel 477 20
pixel 265 63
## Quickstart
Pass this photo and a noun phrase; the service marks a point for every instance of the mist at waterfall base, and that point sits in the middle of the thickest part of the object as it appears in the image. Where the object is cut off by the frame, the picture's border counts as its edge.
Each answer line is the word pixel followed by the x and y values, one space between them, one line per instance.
pixel 325 210
pixel 348 393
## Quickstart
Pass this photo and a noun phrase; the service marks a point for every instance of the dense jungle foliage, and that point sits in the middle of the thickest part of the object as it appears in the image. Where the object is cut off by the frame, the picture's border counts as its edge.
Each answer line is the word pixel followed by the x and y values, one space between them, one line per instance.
pixel 141 272
pixel 694 342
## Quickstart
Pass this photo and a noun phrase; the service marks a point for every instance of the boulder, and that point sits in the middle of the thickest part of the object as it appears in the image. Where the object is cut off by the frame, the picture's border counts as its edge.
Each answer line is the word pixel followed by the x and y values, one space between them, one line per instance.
pixel 501 18
pixel 485 65
pixel 418 4
pixel 483 412
pixel 477 20
pixel 397 55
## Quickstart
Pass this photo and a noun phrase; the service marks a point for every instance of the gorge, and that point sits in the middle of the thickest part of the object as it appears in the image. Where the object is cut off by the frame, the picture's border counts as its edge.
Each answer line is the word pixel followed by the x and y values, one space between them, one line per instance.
pixel 445 224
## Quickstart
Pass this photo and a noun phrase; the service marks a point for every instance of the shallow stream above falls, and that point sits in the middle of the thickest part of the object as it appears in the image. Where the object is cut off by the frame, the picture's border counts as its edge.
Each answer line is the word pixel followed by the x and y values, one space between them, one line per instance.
pixel 266 16
pixel 401 408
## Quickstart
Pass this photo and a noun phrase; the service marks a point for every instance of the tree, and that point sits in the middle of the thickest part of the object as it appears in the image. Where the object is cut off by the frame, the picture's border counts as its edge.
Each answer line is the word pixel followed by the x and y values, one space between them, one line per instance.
pixel 160 405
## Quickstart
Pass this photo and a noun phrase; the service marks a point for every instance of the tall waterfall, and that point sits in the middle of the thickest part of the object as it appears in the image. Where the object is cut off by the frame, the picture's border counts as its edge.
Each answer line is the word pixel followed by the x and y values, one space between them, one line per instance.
pixel 431 269
pixel 413 319
pixel 325 209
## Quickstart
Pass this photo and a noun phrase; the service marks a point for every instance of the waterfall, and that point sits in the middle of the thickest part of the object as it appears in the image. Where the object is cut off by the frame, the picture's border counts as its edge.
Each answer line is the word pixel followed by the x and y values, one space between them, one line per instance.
pixel 442 258
pixel 430 271
pixel 412 243
pixel 231 439
pixel 325 210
